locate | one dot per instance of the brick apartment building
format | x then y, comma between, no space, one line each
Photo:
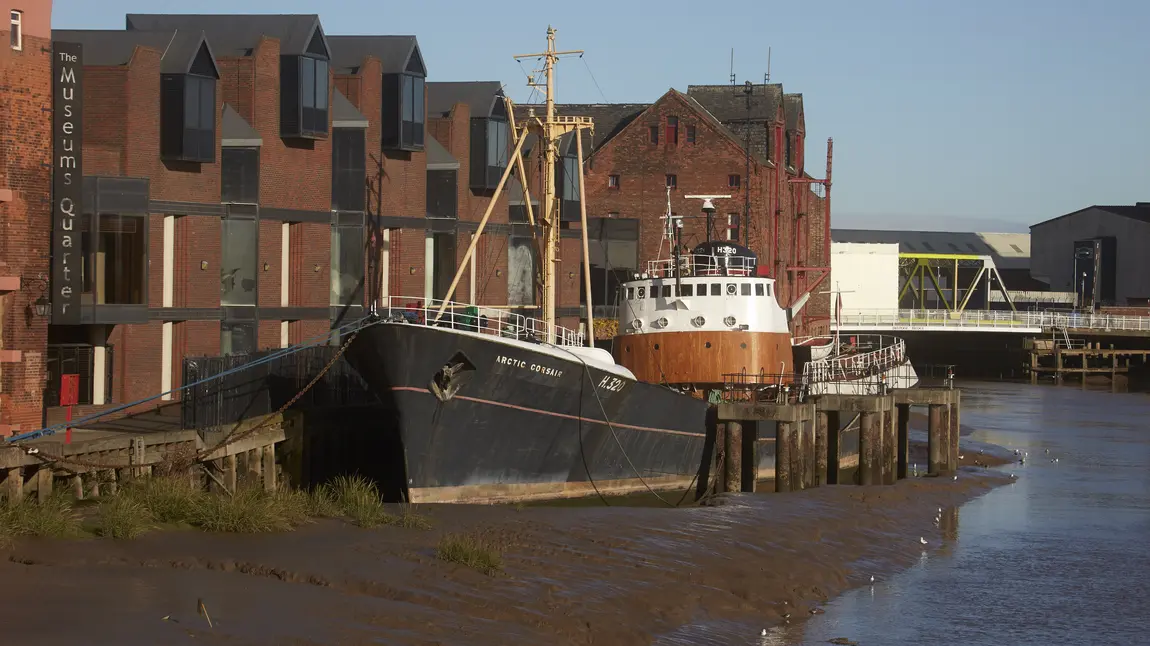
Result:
25,194
696,143
226,184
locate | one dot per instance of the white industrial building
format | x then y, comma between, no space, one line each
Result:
865,276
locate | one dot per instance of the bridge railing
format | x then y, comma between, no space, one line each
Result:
1047,320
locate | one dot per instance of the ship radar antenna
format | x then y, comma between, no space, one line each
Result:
708,208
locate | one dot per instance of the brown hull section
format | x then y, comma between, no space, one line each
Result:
703,357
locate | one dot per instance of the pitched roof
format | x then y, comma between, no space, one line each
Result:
109,47
238,34
438,158
236,131
480,96
1008,250
397,53
1138,211
793,106
344,114
729,102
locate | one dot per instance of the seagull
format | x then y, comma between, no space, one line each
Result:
922,540
1047,451
764,633
872,578
956,478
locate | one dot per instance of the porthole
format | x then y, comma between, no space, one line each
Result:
637,323
729,321
662,322
698,321
731,289
743,346
707,344
656,346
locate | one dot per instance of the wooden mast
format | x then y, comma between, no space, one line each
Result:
550,129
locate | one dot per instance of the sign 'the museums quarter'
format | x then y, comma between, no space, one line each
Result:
67,180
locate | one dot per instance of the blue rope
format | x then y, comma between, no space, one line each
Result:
312,342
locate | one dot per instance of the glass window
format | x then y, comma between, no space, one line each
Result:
405,100
192,103
686,289
417,100
240,175
121,259
571,179
321,81
347,256
666,291
642,292
673,130
497,142
768,290
758,289
238,337
745,289
653,133
307,81
690,134
716,289
630,293
238,261
348,170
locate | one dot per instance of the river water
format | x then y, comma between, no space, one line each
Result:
1062,556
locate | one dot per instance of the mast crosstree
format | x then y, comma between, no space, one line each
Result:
549,128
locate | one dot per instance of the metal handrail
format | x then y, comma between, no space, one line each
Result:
1047,320
891,352
699,264
476,318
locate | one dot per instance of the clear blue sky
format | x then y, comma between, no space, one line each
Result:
959,115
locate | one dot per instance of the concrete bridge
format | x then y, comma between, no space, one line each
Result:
994,321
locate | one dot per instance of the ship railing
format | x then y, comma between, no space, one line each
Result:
697,264
859,357
763,388
476,318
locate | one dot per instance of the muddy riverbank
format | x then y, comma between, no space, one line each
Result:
601,575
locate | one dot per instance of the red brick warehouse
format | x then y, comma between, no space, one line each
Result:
240,175
25,210
696,143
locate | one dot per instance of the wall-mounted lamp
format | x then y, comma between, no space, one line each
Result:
411,270
315,268
266,265
570,274
498,272
203,265
40,306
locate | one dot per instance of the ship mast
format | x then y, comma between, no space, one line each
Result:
549,130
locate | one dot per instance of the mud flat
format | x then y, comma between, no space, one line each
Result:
602,575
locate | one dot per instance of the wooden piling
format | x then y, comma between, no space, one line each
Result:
733,469
14,485
784,434
834,435
946,458
902,440
78,487
798,442
822,422
750,470
269,467
44,478
934,440
889,447
869,447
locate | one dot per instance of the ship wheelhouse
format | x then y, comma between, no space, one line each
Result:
697,319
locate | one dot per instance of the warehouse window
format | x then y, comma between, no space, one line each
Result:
347,261
240,242
673,131
653,132
16,38
691,134
672,181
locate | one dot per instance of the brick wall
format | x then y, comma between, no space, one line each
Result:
25,224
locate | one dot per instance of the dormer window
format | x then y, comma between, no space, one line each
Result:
490,151
304,98
569,209
403,111
188,112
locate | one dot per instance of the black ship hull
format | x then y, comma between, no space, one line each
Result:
483,418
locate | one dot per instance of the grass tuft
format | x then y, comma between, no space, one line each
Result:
168,499
410,518
123,516
53,518
470,550
358,498
251,510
